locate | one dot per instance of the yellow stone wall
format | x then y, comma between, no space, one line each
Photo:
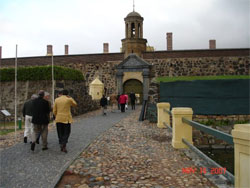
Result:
180,129
132,75
163,116
96,92
241,136
96,89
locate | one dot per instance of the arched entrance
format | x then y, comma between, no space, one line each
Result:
134,86
133,68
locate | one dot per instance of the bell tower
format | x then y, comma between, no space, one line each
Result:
133,43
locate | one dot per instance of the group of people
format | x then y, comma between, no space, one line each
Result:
37,114
120,100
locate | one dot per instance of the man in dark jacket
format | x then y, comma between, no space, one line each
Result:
40,119
27,114
132,100
104,103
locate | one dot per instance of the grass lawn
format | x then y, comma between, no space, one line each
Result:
6,131
9,127
191,78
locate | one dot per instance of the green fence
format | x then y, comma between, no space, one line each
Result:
208,97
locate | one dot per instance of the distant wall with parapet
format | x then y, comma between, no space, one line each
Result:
164,63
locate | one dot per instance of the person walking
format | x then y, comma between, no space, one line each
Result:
40,119
63,118
104,103
132,100
126,105
118,101
113,102
27,114
122,101
46,97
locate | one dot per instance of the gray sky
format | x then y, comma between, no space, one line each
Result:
86,24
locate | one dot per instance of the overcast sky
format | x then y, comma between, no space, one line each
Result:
86,24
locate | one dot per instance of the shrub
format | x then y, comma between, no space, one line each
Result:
40,73
191,78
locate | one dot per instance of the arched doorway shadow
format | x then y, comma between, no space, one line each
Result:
135,86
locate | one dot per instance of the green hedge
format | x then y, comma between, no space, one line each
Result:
40,73
192,78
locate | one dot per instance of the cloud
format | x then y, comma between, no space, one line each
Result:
86,25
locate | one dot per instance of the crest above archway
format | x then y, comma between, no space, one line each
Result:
133,67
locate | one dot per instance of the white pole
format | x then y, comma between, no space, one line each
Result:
15,92
53,82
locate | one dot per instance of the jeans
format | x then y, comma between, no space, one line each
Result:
29,127
43,130
63,132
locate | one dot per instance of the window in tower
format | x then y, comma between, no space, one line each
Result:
132,30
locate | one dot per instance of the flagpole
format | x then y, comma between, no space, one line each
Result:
53,81
15,92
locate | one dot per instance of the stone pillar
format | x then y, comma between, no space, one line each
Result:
126,30
161,115
136,30
66,49
212,44
241,137
129,29
141,35
180,129
105,47
49,50
145,75
119,77
169,41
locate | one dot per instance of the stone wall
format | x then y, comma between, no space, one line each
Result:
198,66
77,90
165,63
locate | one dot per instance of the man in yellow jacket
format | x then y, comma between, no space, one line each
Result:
63,118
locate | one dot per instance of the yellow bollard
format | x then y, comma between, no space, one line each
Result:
180,129
241,137
161,115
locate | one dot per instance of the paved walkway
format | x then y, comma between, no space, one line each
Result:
135,154
20,167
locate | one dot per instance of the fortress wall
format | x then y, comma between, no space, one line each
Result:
77,90
165,63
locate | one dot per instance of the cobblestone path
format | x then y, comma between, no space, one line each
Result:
132,154
19,167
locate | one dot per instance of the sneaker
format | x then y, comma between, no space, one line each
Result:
45,148
25,139
33,146
63,149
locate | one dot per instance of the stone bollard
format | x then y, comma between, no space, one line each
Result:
241,137
161,115
180,129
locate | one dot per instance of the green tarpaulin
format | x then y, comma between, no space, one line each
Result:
208,97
